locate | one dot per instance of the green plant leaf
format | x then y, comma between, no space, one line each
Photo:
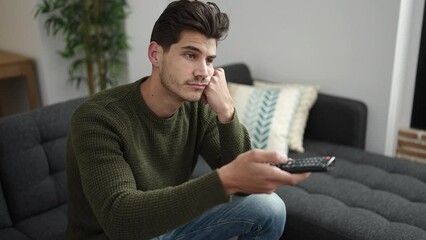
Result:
97,39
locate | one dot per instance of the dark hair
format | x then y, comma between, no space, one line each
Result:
204,18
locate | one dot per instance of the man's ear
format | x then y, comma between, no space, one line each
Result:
155,52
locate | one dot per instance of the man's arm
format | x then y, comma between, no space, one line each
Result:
110,186
250,171
225,137
218,97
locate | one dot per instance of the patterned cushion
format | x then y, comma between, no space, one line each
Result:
300,118
266,113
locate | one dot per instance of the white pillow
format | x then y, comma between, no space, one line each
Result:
267,114
308,98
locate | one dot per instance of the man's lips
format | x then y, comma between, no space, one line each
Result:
200,86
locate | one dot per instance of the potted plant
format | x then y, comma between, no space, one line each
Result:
94,35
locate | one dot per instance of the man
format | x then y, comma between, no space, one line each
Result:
132,149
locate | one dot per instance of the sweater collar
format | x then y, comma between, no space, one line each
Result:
146,111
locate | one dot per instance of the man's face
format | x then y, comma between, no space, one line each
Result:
187,67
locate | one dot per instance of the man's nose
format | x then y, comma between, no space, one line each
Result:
202,70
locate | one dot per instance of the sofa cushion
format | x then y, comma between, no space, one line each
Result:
12,234
267,114
32,169
309,93
34,181
365,196
48,225
5,220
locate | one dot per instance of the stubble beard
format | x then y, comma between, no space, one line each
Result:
177,89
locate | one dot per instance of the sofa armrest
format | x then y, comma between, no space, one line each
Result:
337,120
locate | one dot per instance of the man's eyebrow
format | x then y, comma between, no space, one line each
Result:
196,50
192,48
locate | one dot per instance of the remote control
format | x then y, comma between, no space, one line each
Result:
311,164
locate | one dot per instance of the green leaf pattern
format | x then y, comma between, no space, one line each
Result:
259,114
267,113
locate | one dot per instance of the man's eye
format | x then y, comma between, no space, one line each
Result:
190,56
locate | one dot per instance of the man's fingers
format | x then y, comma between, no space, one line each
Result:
266,156
220,70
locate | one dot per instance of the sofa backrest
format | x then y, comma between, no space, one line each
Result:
238,73
332,119
5,220
32,160
338,120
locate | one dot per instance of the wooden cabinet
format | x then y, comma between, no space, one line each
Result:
13,67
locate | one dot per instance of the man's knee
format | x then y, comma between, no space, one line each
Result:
269,207
273,207
269,213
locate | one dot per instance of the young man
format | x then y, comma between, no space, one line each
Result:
132,149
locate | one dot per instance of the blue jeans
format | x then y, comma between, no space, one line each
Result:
257,216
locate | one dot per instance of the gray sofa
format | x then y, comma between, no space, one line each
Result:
366,196
33,198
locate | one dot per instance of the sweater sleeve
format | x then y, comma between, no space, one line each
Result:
109,185
224,142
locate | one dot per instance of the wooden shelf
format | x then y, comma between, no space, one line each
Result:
13,66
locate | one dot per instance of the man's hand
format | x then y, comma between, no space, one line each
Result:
251,172
218,97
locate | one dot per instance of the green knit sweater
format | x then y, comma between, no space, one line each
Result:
129,171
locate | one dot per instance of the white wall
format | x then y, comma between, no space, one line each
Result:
139,26
346,46
17,27
22,34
